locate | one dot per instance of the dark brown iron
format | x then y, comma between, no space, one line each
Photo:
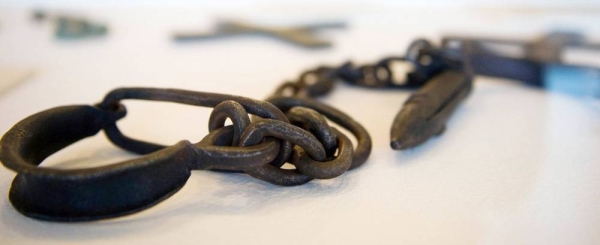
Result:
444,81
291,126
258,148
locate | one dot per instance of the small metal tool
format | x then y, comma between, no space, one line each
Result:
426,112
69,27
304,36
522,60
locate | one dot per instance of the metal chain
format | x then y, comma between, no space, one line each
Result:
425,61
292,130
290,127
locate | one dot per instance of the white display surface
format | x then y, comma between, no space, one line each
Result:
516,165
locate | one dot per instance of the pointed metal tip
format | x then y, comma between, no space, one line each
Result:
397,145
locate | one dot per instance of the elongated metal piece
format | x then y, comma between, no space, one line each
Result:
523,60
73,27
426,112
300,35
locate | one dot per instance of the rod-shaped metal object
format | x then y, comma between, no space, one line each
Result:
523,60
426,112
304,36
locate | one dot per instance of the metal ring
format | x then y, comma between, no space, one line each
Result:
315,123
281,90
278,176
121,188
363,148
257,131
217,154
327,169
234,111
413,52
85,194
256,107
275,175
324,81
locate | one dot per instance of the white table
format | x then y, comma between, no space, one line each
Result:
516,165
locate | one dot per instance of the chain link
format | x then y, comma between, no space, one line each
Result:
291,127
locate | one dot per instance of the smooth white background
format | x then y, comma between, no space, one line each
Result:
516,165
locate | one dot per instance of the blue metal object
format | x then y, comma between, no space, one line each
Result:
537,63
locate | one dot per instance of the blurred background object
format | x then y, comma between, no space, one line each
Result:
539,62
304,35
70,27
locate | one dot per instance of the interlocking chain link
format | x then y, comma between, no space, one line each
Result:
287,129
290,127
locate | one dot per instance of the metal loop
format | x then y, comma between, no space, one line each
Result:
118,111
260,108
348,73
278,176
414,50
222,136
287,89
371,76
91,193
362,150
234,111
104,192
218,154
257,131
317,82
257,148
275,175
329,169
315,123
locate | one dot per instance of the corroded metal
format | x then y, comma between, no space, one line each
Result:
364,145
258,148
443,79
325,169
425,113
291,126
315,123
